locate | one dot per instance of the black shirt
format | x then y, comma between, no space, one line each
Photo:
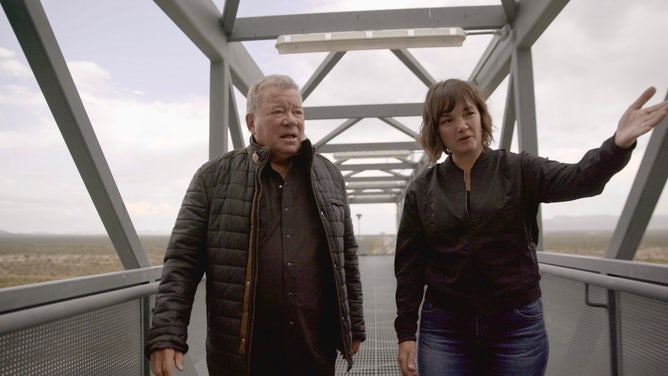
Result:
295,301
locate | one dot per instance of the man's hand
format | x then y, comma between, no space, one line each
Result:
356,346
406,358
164,360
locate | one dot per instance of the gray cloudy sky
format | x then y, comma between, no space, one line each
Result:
145,88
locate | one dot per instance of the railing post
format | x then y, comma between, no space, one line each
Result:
146,306
614,332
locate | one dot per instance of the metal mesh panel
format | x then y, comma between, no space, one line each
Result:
378,353
102,342
643,333
578,334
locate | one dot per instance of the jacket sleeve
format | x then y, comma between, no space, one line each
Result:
409,268
563,181
182,270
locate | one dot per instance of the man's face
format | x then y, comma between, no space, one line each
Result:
278,123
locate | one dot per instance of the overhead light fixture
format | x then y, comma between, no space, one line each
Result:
369,40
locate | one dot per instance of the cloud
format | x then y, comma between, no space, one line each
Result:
151,146
143,124
149,108
33,139
89,76
11,66
148,209
6,54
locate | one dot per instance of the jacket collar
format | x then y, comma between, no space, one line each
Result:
483,158
260,154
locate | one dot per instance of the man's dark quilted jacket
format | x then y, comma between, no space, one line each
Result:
216,233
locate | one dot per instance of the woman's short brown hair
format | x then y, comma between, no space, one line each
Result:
441,98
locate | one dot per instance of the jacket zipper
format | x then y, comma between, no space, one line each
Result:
246,320
467,204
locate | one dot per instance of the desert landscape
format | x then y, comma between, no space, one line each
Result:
26,259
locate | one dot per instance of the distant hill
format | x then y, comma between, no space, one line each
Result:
596,223
558,223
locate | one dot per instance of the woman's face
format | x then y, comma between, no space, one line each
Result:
461,129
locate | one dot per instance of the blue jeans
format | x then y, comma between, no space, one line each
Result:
506,343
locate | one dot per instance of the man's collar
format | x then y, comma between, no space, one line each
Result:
258,152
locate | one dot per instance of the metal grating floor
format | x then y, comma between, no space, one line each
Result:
378,353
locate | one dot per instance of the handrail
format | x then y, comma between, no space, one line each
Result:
632,269
645,289
27,296
26,318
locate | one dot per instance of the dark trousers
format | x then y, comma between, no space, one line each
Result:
275,352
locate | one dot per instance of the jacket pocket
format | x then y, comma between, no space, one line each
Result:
338,208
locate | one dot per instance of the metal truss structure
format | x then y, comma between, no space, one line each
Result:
219,35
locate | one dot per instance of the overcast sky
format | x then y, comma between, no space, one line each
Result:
145,89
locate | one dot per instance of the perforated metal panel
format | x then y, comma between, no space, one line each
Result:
103,342
578,334
644,333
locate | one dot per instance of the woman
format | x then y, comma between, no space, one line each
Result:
469,232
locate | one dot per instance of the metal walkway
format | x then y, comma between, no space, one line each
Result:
603,317
580,341
378,353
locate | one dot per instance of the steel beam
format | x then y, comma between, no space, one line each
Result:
374,146
375,199
325,67
229,16
200,21
524,99
219,110
363,111
47,62
508,127
645,192
271,27
533,18
400,127
340,129
375,166
411,62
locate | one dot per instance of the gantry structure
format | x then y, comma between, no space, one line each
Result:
387,167
515,25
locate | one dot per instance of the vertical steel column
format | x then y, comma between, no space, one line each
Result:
508,127
525,109
146,308
525,103
613,327
219,107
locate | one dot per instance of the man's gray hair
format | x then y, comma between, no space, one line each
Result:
257,89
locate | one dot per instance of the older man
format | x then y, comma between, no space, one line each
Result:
270,226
